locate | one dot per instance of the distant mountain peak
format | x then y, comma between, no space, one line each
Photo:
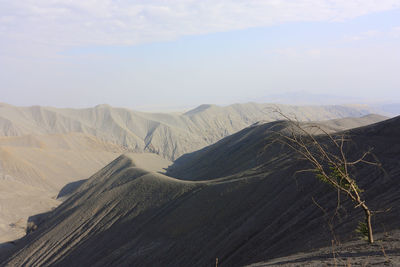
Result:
200,108
103,106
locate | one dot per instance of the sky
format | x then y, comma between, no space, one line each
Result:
159,54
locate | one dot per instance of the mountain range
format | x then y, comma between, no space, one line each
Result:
236,200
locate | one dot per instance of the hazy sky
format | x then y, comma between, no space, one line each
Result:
144,54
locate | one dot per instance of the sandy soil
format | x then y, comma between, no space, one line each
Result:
384,252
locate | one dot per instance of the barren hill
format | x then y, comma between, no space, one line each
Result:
125,215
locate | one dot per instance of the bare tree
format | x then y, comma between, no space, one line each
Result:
330,164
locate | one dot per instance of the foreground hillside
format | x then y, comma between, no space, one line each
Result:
125,215
384,252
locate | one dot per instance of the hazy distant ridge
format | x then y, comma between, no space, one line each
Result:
169,135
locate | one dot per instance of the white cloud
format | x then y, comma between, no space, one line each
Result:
395,32
295,52
316,53
288,52
64,23
365,35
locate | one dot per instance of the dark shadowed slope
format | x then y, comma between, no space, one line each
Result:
243,150
125,215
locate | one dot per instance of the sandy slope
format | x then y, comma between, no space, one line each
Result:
51,161
125,215
18,201
33,169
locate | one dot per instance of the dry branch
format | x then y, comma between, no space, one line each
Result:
326,153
